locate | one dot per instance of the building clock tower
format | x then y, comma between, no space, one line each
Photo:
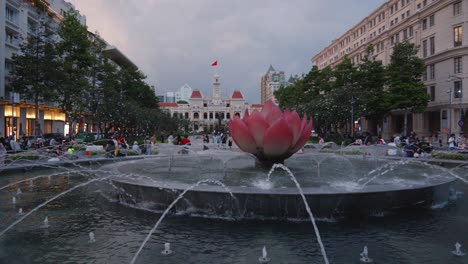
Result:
216,100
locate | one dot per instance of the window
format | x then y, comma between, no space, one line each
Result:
8,65
405,34
457,89
424,24
431,21
392,40
410,31
396,20
431,72
391,10
424,48
9,37
424,2
10,14
402,16
457,36
419,6
424,77
408,13
432,45
457,8
432,93
397,38
458,65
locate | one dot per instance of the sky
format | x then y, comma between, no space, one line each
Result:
174,42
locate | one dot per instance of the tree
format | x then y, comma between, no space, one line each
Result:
370,85
35,69
76,60
405,89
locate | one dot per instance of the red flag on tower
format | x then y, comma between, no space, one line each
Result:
215,63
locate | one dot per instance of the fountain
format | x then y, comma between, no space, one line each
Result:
91,237
223,205
264,258
365,256
457,251
167,249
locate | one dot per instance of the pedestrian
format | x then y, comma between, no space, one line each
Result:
147,145
170,138
136,147
451,142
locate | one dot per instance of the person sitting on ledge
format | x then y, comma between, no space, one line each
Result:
410,149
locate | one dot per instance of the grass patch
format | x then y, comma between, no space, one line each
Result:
342,152
24,157
449,156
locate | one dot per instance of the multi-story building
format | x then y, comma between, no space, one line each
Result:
271,81
183,94
20,19
439,29
208,113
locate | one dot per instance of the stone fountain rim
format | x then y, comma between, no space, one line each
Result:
370,189
324,190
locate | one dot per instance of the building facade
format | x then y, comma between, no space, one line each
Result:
271,81
206,113
439,30
20,19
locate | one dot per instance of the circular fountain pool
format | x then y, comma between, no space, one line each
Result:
334,185
409,236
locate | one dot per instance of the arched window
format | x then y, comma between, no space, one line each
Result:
228,115
186,115
205,116
211,115
196,116
237,114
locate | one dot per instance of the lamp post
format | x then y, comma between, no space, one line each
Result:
449,91
460,94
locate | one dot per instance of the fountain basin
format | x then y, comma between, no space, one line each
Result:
154,189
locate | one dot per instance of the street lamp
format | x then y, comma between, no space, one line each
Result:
460,94
449,91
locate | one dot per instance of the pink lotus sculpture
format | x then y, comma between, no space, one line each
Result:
271,135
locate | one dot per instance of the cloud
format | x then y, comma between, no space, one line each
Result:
175,41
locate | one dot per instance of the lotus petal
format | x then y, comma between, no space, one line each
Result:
257,127
305,134
278,139
271,112
241,135
246,115
294,122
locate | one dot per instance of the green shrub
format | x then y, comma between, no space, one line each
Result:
24,157
346,152
449,156
132,153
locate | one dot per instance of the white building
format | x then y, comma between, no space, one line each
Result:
207,113
439,29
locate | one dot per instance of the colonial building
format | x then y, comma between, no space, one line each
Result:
438,28
20,19
210,112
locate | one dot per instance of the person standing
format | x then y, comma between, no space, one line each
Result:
170,139
451,142
147,144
